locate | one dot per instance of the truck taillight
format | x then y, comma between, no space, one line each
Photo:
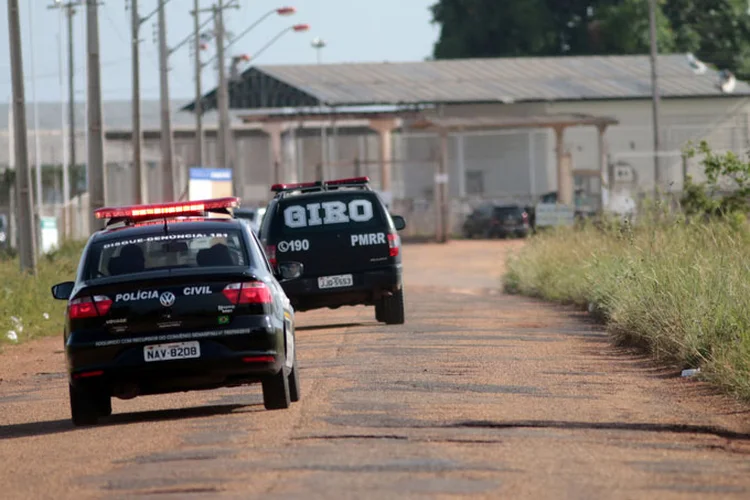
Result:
88,307
252,292
394,244
271,254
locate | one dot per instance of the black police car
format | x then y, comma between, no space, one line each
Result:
347,241
167,299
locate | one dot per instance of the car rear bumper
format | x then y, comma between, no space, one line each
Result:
233,357
368,287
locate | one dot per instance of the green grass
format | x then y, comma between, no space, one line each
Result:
28,298
680,290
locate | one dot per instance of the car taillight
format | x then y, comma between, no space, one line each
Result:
271,254
394,244
88,307
252,292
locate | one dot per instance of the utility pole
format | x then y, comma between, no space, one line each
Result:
655,95
198,85
68,9
222,91
95,164
167,146
23,174
135,24
71,90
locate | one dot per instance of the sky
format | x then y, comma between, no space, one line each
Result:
354,31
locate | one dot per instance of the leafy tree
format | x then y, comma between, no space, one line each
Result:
488,28
727,187
717,31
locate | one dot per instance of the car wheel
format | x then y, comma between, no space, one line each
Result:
379,313
276,392
105,406
294,392
86,407
393,308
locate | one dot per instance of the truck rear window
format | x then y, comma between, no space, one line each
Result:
175,250
342,212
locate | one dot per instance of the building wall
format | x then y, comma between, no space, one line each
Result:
512,165
723,122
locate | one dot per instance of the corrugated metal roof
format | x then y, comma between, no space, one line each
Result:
515,122
500,80
117,115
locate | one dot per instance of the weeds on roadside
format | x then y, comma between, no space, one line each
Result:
675,284
681,291
27,309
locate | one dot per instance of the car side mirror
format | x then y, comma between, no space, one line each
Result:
62,291
291,270
399,222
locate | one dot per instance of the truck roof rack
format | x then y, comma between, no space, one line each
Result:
307,187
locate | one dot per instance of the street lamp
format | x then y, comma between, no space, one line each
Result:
298,28
236,60
655,95
281,11
318,44
223,91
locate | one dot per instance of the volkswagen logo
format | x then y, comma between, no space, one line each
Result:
166,299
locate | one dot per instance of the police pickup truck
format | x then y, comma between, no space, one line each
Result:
343,235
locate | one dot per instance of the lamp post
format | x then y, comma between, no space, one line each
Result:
222,92
318,44
655,94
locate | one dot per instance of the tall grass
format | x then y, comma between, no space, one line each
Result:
26,304
679,290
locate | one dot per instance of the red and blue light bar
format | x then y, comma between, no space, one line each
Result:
174,209
352,181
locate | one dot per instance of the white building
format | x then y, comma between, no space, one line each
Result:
281,113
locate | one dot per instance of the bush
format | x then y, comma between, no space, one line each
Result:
26,304
679,290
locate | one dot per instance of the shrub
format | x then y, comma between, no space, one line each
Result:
680,290
26,304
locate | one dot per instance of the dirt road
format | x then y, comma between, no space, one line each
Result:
479,395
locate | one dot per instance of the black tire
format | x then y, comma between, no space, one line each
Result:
105,406
379,311
276,392
294,388
86,407
393,308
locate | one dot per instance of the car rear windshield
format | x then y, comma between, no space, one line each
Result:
502,211
320,214
175,250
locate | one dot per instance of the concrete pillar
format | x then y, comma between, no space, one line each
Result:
461,164
274,131
605,188
532,166
442,232
384,128
564,174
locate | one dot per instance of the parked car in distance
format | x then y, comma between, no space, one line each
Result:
493,220
251,216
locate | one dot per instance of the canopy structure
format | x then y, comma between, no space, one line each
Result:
558,122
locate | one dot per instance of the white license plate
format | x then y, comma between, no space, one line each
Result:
177,350
339,281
